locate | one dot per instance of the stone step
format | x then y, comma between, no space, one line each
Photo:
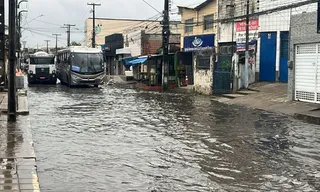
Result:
232,96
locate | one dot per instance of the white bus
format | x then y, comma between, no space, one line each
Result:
80,66
42,68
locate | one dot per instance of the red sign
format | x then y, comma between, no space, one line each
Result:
253,25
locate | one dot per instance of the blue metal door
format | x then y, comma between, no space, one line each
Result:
268,51
284,56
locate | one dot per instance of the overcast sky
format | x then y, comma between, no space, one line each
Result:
37,28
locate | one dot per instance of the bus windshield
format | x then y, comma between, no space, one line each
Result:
87,62
41,60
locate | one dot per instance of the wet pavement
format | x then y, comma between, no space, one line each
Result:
18,169
120,139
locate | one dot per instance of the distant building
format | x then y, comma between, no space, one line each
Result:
134,44
109,26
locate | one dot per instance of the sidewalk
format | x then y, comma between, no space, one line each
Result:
23,106
18,170
273,97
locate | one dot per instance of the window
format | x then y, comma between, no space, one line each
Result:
204,62
188,26
41,60
87,63
208,22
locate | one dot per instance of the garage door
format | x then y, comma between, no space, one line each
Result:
307,71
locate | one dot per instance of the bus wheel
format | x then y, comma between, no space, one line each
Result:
96,86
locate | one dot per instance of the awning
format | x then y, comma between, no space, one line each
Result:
126,60
137,61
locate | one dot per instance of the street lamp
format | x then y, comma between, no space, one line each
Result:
19,21
42,15
18,3
19,30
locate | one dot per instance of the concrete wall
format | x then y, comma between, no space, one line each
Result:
303,30
203,79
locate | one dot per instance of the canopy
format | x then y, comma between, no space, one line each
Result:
126,60
137,61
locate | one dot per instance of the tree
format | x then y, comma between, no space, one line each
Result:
74,43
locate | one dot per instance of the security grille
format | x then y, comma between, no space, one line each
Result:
306,73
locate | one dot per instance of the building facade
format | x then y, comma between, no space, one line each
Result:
198,38
109,26
304,68
268,35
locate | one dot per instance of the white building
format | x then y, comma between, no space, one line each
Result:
270,59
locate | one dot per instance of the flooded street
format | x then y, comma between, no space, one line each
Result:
118,139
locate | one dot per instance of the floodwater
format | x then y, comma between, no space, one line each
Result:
121,139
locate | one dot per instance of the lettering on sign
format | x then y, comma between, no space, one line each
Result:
241,33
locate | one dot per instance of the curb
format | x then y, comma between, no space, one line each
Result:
307,118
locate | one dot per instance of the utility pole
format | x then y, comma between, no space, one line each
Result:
318,17
12,110
165,45
246,70
94,23
47,45
56,41
24,49
2,45
68,27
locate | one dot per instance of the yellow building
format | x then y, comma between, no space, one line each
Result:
199,39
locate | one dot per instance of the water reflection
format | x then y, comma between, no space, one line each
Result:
118,139
7,162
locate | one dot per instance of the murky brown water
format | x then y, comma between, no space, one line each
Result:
118,139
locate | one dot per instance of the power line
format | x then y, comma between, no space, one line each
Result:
152,6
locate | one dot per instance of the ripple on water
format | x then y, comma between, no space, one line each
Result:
118,139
